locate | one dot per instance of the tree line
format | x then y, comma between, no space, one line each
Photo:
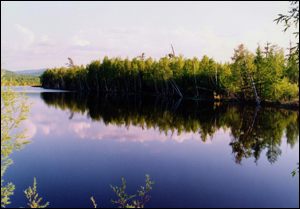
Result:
266,75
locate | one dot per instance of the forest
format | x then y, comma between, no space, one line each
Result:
266,75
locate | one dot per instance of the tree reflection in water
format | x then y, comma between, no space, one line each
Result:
252,129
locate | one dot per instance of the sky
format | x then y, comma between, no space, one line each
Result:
37,35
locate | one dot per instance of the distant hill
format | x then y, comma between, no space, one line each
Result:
8,73
36,72
21,78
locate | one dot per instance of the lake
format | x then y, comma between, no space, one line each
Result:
199,154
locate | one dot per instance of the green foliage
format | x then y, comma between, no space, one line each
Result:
14,111
7,190
285,91
125,200
138,200
292,69
34,201
123,197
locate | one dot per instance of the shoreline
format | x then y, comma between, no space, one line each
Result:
293,105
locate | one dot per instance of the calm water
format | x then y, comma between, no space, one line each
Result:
198,154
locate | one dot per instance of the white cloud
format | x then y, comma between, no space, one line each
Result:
45,129
77,41
27,36
91,130
27,43
80,128
44,40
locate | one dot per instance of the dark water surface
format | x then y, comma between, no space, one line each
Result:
198,154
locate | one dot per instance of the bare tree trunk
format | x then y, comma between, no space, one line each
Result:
257,99
173,50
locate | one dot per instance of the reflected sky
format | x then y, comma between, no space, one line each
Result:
81,127
75,156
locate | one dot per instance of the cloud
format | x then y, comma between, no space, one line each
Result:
45,129
94,43
77,41
27,44
155,42
27,36
80,128
44,40
85,130
46,124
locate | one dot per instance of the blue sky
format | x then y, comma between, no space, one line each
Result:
43,34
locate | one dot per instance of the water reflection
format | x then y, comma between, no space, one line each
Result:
252,130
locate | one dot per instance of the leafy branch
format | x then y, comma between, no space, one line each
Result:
34,201
138,200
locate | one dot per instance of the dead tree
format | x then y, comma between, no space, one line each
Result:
142,56
171,55
70,64
173,50
267,49
172,82
257,99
